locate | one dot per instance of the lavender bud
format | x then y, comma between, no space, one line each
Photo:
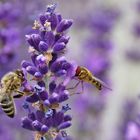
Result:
67,118
36,125
61,73
59,47
59,116
32,116
38,75
33,57
44,129
47,102
41,83
33,40
32,70
64,25
49,38
25,64
52,86
54,98
64,39
53,20
42,19
43,46
43,95
40,115
43,69
64,125
26,123
32,98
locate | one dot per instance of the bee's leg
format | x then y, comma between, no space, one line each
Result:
74,86
19,95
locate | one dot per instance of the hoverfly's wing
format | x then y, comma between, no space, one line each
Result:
102,83
8,105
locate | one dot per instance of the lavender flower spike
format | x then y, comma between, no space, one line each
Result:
48,66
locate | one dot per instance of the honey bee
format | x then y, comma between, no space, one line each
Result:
10,84
84,75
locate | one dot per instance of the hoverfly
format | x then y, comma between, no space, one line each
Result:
10,84
84,75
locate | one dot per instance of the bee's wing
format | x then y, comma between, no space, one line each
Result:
102,83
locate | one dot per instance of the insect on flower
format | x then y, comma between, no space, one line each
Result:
84,75
10,83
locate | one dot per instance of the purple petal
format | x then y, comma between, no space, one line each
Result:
52,86
43,69
38,75
64,125
25,64
42,19
53,19
54,98
44,129
40,115
26,123
32,70
67,118
32,98
43,46
64,39
64,25
59,47
43,95
32,116
58,118
36,125
34,40
49,38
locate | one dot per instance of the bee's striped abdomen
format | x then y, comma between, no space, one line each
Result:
8,107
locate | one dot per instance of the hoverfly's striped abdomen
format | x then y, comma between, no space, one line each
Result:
97,84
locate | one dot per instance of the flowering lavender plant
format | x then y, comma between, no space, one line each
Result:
47,77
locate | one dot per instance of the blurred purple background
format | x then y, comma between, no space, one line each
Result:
105,38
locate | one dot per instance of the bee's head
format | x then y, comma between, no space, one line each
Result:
20,74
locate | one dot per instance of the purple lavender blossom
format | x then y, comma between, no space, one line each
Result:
44,122
50,73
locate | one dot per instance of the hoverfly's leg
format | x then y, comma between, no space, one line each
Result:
19,95
82,84
74,86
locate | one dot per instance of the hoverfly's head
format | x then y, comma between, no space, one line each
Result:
78,70
20,74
